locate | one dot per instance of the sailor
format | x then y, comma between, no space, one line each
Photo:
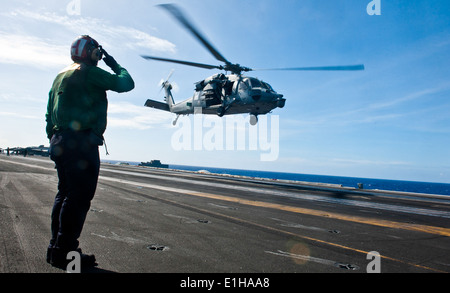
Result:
76,121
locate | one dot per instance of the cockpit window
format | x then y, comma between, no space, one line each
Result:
267,86
244,85
255,82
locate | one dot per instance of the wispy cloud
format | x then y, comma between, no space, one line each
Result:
129,116
33,51
19,115
412,96
382,111
21,47
129,36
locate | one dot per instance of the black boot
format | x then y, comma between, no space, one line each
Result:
49,253
87,260
58,258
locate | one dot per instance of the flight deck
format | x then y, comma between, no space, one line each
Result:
150,220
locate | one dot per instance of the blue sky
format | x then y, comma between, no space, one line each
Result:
391,121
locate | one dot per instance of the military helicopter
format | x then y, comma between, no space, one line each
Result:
224,94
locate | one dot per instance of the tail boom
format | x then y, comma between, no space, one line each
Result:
157,105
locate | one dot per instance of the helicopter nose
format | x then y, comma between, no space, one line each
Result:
281,102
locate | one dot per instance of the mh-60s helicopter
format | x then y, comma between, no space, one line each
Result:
222,94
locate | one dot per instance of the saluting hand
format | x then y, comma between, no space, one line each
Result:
109,60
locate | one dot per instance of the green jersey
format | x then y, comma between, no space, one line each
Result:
78,98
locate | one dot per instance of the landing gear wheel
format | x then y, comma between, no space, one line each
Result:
253,120
176,120
221,111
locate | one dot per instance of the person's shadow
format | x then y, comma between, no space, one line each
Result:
96,270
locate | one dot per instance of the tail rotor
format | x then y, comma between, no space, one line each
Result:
162,83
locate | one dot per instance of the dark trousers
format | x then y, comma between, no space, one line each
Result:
78,163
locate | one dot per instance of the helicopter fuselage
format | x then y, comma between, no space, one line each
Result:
226,94
229,94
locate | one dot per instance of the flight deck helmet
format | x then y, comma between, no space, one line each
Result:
82,48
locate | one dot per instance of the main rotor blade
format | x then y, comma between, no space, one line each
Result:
206,66
322,68
176,12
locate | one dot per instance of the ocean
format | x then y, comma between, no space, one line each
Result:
368,183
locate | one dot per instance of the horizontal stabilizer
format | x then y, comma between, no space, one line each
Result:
157,105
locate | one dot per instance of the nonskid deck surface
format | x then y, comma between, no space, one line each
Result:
147,220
